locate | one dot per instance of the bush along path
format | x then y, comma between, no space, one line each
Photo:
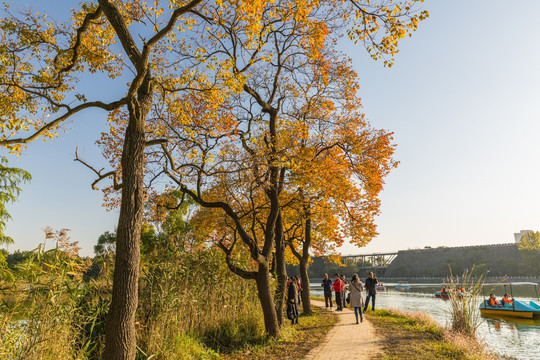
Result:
347,340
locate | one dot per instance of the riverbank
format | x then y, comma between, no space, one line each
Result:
417,336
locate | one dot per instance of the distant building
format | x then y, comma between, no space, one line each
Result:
517,236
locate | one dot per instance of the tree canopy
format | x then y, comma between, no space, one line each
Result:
202,91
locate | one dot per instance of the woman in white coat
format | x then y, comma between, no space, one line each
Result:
356,289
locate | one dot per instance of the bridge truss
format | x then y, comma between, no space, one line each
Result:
370,261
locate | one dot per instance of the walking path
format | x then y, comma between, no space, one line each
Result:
346,339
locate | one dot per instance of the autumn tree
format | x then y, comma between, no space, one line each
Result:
338,165
143,45
43,63
235,153
235,156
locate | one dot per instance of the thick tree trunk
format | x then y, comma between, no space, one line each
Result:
281,270
264,291
304,261
120,335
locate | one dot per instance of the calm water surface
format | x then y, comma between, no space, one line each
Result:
517,338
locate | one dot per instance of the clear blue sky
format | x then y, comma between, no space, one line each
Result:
463,100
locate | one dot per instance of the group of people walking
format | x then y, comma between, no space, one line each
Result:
355,288
345,292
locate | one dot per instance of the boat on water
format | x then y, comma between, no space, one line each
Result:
380,287
445,295
442,295
402,286
518,308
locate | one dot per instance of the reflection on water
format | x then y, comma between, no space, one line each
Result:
519,338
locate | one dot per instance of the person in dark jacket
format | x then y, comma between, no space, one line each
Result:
292,302
327,288
371,289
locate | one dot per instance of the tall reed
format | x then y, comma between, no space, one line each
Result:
193,294
56,315
464,314
190,306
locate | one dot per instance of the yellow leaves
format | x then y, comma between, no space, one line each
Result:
381,25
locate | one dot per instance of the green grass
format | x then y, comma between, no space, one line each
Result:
416,336
296,341
191,347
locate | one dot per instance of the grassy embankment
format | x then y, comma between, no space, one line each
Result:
190,307
417,336
238,338
296,341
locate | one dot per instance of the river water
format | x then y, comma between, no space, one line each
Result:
517,338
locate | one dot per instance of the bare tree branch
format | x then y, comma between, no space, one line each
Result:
112,173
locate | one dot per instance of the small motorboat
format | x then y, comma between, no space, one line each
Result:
402,286
380,287
518,308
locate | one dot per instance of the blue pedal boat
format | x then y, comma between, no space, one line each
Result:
518,308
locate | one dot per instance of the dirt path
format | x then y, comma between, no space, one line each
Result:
346,340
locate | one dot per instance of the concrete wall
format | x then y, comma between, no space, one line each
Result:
500,260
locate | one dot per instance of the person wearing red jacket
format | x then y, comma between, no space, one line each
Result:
338,286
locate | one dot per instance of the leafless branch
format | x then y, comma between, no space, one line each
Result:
99,173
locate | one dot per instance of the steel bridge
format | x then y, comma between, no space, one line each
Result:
376,262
